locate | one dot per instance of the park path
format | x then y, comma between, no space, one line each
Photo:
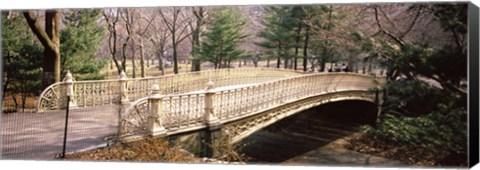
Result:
40,136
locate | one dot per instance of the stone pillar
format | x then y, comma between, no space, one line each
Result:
210,119
211,143
154,121
123,97
123,88
68,80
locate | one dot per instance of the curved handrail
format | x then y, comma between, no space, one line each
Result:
143,102
54,102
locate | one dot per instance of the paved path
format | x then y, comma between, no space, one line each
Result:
332,156
39,136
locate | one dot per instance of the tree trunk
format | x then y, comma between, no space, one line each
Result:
134,66
322,65
268,62
196,63
299,29
175,57
142,59
305,47
160,60
278,62
50,39
52,26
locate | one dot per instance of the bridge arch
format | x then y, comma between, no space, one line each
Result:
242,128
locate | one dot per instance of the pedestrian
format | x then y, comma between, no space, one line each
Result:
344,67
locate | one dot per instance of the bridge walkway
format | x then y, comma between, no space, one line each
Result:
40,135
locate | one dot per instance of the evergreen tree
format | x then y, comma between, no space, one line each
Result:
279,32
79,44
22,59
222,37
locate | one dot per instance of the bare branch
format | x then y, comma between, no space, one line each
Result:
396,39
412,23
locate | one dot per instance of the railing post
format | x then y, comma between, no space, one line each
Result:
123,88
123,103
68,80
213,136
210,119
154,121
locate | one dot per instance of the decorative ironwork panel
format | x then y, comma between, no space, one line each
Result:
134,122
102,92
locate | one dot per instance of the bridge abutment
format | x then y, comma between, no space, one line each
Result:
213,142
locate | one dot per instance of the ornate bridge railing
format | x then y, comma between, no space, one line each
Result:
172,114
124,90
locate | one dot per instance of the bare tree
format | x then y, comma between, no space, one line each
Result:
177,24
200,22
127,16
111,17
144,22
159,35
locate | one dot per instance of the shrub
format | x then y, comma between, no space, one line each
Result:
437,132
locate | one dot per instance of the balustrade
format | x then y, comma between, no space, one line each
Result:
126,90
211,107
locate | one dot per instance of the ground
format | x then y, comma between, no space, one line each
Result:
148,150
159,150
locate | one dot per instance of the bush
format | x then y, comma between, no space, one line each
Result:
437,132
414,98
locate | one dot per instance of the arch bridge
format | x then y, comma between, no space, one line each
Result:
239,111
226,103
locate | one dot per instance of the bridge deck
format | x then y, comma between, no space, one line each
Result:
40,135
